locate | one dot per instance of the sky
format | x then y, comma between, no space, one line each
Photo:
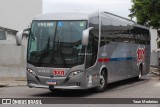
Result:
118,7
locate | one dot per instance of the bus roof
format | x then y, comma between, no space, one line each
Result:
82,16
65,16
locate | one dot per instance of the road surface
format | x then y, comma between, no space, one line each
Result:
147,87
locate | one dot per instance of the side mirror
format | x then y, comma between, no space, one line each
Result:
85,36
19,36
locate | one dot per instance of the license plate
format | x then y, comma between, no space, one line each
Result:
51,82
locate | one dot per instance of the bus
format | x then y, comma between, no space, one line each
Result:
80,50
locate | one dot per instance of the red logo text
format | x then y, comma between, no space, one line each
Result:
58,72
140,54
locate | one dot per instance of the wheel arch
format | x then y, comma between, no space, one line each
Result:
141,68
105,69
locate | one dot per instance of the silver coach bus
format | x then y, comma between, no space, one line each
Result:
75,50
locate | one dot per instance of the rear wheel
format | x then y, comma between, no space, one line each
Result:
103,82
140,73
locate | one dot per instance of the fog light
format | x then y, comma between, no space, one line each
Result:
29,81
78,84
32,72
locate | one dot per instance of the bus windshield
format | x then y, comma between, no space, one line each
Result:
56,43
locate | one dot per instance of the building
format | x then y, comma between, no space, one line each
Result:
15,15
155,47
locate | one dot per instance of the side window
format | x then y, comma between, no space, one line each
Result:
105,31
141,36
147,37
130,34
136,35
2,35
125,37
116,30
92,48
121,32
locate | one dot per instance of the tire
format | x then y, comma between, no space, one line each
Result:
140,73
103,82
55,90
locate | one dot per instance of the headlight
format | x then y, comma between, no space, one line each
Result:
32,72
74,73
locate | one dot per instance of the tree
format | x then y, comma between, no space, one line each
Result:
147,12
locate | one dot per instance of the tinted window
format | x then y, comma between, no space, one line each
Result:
92,49
2,35
141,36
113,30
105,31
56,43
116,30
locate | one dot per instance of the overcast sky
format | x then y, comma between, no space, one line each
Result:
119,7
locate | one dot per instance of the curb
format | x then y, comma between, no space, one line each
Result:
12,83
157,73
13,79
3,85
154,70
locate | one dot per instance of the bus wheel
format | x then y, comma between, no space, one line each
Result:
103,82
140,73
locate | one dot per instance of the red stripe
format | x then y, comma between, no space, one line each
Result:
103,60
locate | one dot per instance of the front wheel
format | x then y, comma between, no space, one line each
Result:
103,82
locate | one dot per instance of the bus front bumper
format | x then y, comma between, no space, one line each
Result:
77,82
55,87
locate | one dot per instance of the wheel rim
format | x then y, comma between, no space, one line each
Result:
102,81
140,75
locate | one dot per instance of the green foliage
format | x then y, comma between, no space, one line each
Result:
158,44
147,12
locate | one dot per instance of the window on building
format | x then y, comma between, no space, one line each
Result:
2,35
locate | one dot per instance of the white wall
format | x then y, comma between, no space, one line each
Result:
17,14
154,49
12,57
153,39
10,36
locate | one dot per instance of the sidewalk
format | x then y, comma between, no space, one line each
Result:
12,82
154,70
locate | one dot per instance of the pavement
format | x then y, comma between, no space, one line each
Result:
22,81
13,82
155,70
